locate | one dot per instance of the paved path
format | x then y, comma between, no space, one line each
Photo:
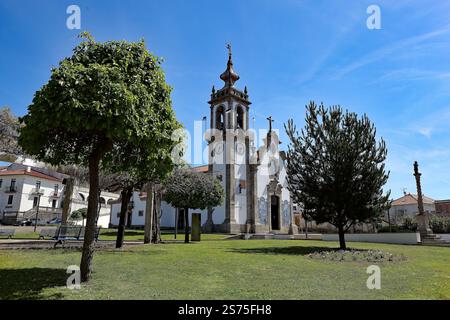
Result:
49,244
444,236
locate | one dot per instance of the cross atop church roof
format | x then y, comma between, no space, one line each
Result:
229,76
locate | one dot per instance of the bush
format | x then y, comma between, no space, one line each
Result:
352,255
410,223
394,228
440,224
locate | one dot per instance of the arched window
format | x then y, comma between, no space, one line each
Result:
81,196
102,201
220,118
240,118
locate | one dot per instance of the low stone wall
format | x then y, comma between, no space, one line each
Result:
396,238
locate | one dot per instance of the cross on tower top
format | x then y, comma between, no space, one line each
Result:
229,49
270,123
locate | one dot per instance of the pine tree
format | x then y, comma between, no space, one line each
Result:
336,168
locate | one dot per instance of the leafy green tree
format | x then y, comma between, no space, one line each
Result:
79,215
336,168
9,127
138,165
189,189
105,95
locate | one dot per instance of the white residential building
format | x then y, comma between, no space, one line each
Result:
25,191
407,206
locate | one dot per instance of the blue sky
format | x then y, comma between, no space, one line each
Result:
286,52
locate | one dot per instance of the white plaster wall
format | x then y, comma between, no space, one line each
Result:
105,210
15,206
167,213
398,238
219,212
410,210
47,187
23,198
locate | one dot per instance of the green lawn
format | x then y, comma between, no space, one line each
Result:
130,235
229,269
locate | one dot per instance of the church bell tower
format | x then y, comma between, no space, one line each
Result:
229,154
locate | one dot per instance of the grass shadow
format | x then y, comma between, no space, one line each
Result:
126,233
28,284
293,250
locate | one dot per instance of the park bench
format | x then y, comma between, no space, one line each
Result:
76,233
7,233
47,233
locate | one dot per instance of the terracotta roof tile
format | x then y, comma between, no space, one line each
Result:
28,173
411,199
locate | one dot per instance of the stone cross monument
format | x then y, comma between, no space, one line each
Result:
422,218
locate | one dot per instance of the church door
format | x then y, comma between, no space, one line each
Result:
274,212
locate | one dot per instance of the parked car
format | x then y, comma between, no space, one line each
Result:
26,222
54,221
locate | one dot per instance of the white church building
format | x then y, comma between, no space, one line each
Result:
257,199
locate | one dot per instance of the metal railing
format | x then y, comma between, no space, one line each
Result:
37,191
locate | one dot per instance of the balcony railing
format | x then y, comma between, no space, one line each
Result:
10,189
54,194
37,191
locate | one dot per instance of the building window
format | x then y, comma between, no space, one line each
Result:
56,189
35,202
220,123
240,118
54,204
38,185
118,214
141,213
10,199
13,185
1,182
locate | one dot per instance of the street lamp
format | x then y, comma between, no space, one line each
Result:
39,194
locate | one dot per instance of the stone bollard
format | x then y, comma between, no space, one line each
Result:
196,226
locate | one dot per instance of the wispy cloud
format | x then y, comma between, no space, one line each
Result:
411,74
389,50
425,132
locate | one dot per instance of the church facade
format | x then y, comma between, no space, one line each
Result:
257,199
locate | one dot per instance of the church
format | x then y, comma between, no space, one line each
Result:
257,199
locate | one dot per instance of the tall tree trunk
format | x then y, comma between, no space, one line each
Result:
129,215
99,206
89,235
306,227
341,237
126,195
157,217
148,229
186,225
68,191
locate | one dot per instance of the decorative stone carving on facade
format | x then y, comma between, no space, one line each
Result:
286,214
274,187
262,210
